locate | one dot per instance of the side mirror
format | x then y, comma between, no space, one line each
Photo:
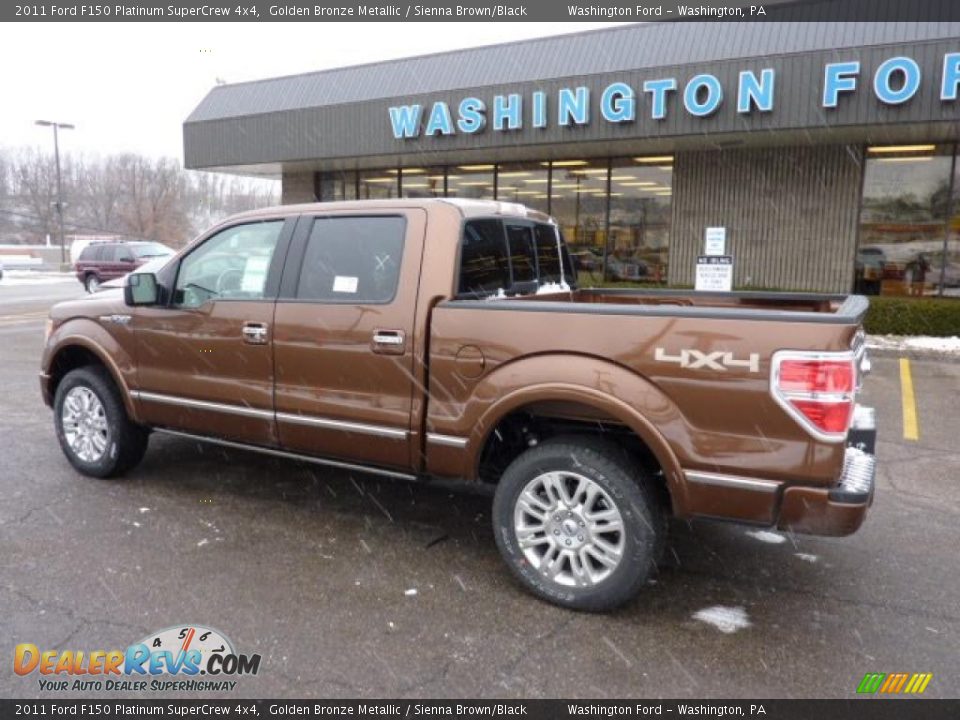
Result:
140,289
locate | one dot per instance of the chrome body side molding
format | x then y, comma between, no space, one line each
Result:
731,481
447,440
363,428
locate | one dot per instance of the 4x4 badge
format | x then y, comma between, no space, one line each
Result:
718,360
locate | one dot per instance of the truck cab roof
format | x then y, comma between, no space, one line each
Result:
468,208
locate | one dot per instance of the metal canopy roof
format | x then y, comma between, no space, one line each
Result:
630,47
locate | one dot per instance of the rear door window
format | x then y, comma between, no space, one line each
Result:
353,260
484,267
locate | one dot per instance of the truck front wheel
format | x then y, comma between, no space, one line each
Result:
578,523
92,425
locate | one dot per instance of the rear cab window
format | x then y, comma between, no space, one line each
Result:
511,257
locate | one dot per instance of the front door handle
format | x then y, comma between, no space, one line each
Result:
255,333
388,342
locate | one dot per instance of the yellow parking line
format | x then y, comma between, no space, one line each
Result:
911,429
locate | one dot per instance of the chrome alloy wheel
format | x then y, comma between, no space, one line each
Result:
84,424
569,529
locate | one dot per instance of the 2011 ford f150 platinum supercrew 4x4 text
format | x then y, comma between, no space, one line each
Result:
441,339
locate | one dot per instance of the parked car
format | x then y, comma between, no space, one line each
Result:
102,261
586,259
626,269
408,338
153,265
1,269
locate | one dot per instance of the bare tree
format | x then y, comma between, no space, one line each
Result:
129,194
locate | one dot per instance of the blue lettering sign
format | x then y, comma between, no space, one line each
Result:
618,103
405,121
951,76
440,120
539,109
756,93
472,118
507,109
691,95
658,90
911,80
573,105
838,78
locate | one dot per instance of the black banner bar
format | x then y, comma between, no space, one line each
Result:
872,708
484,10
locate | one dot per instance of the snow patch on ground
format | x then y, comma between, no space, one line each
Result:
26,277
766,536
725,619
919,342
806,557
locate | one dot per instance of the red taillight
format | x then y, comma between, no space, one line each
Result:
817,389
830,417
816,376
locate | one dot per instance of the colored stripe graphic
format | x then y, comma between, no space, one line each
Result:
871,683
894,683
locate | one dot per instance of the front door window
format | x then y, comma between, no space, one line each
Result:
231,265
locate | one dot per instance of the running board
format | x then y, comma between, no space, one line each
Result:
289,455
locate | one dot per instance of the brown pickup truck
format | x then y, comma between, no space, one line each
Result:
449,340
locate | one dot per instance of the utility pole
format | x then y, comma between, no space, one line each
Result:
56,152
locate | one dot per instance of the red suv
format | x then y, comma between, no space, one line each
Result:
104,261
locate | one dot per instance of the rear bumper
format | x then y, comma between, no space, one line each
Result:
841,509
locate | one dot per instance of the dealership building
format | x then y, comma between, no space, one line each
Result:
827,151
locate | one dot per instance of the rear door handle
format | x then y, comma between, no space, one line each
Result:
255,333
388,342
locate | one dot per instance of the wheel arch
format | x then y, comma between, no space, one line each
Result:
602,405
75,351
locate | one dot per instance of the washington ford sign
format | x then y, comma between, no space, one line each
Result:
897,80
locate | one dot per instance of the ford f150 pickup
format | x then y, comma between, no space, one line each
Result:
442,339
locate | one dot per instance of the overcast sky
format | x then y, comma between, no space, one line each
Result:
130,86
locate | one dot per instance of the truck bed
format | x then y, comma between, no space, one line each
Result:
789,307
630,344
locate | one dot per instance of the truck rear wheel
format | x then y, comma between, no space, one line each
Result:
92,424
578,524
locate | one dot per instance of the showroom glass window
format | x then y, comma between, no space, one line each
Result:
471,181
337,185
641,190
379,184
526,183
422,182
579,205
903,248
951,254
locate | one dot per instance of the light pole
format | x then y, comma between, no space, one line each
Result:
56,153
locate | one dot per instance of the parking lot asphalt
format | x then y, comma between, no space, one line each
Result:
316,570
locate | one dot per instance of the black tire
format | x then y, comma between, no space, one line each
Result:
91,283
621,477
126,442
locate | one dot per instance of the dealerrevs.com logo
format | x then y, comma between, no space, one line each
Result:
183,657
